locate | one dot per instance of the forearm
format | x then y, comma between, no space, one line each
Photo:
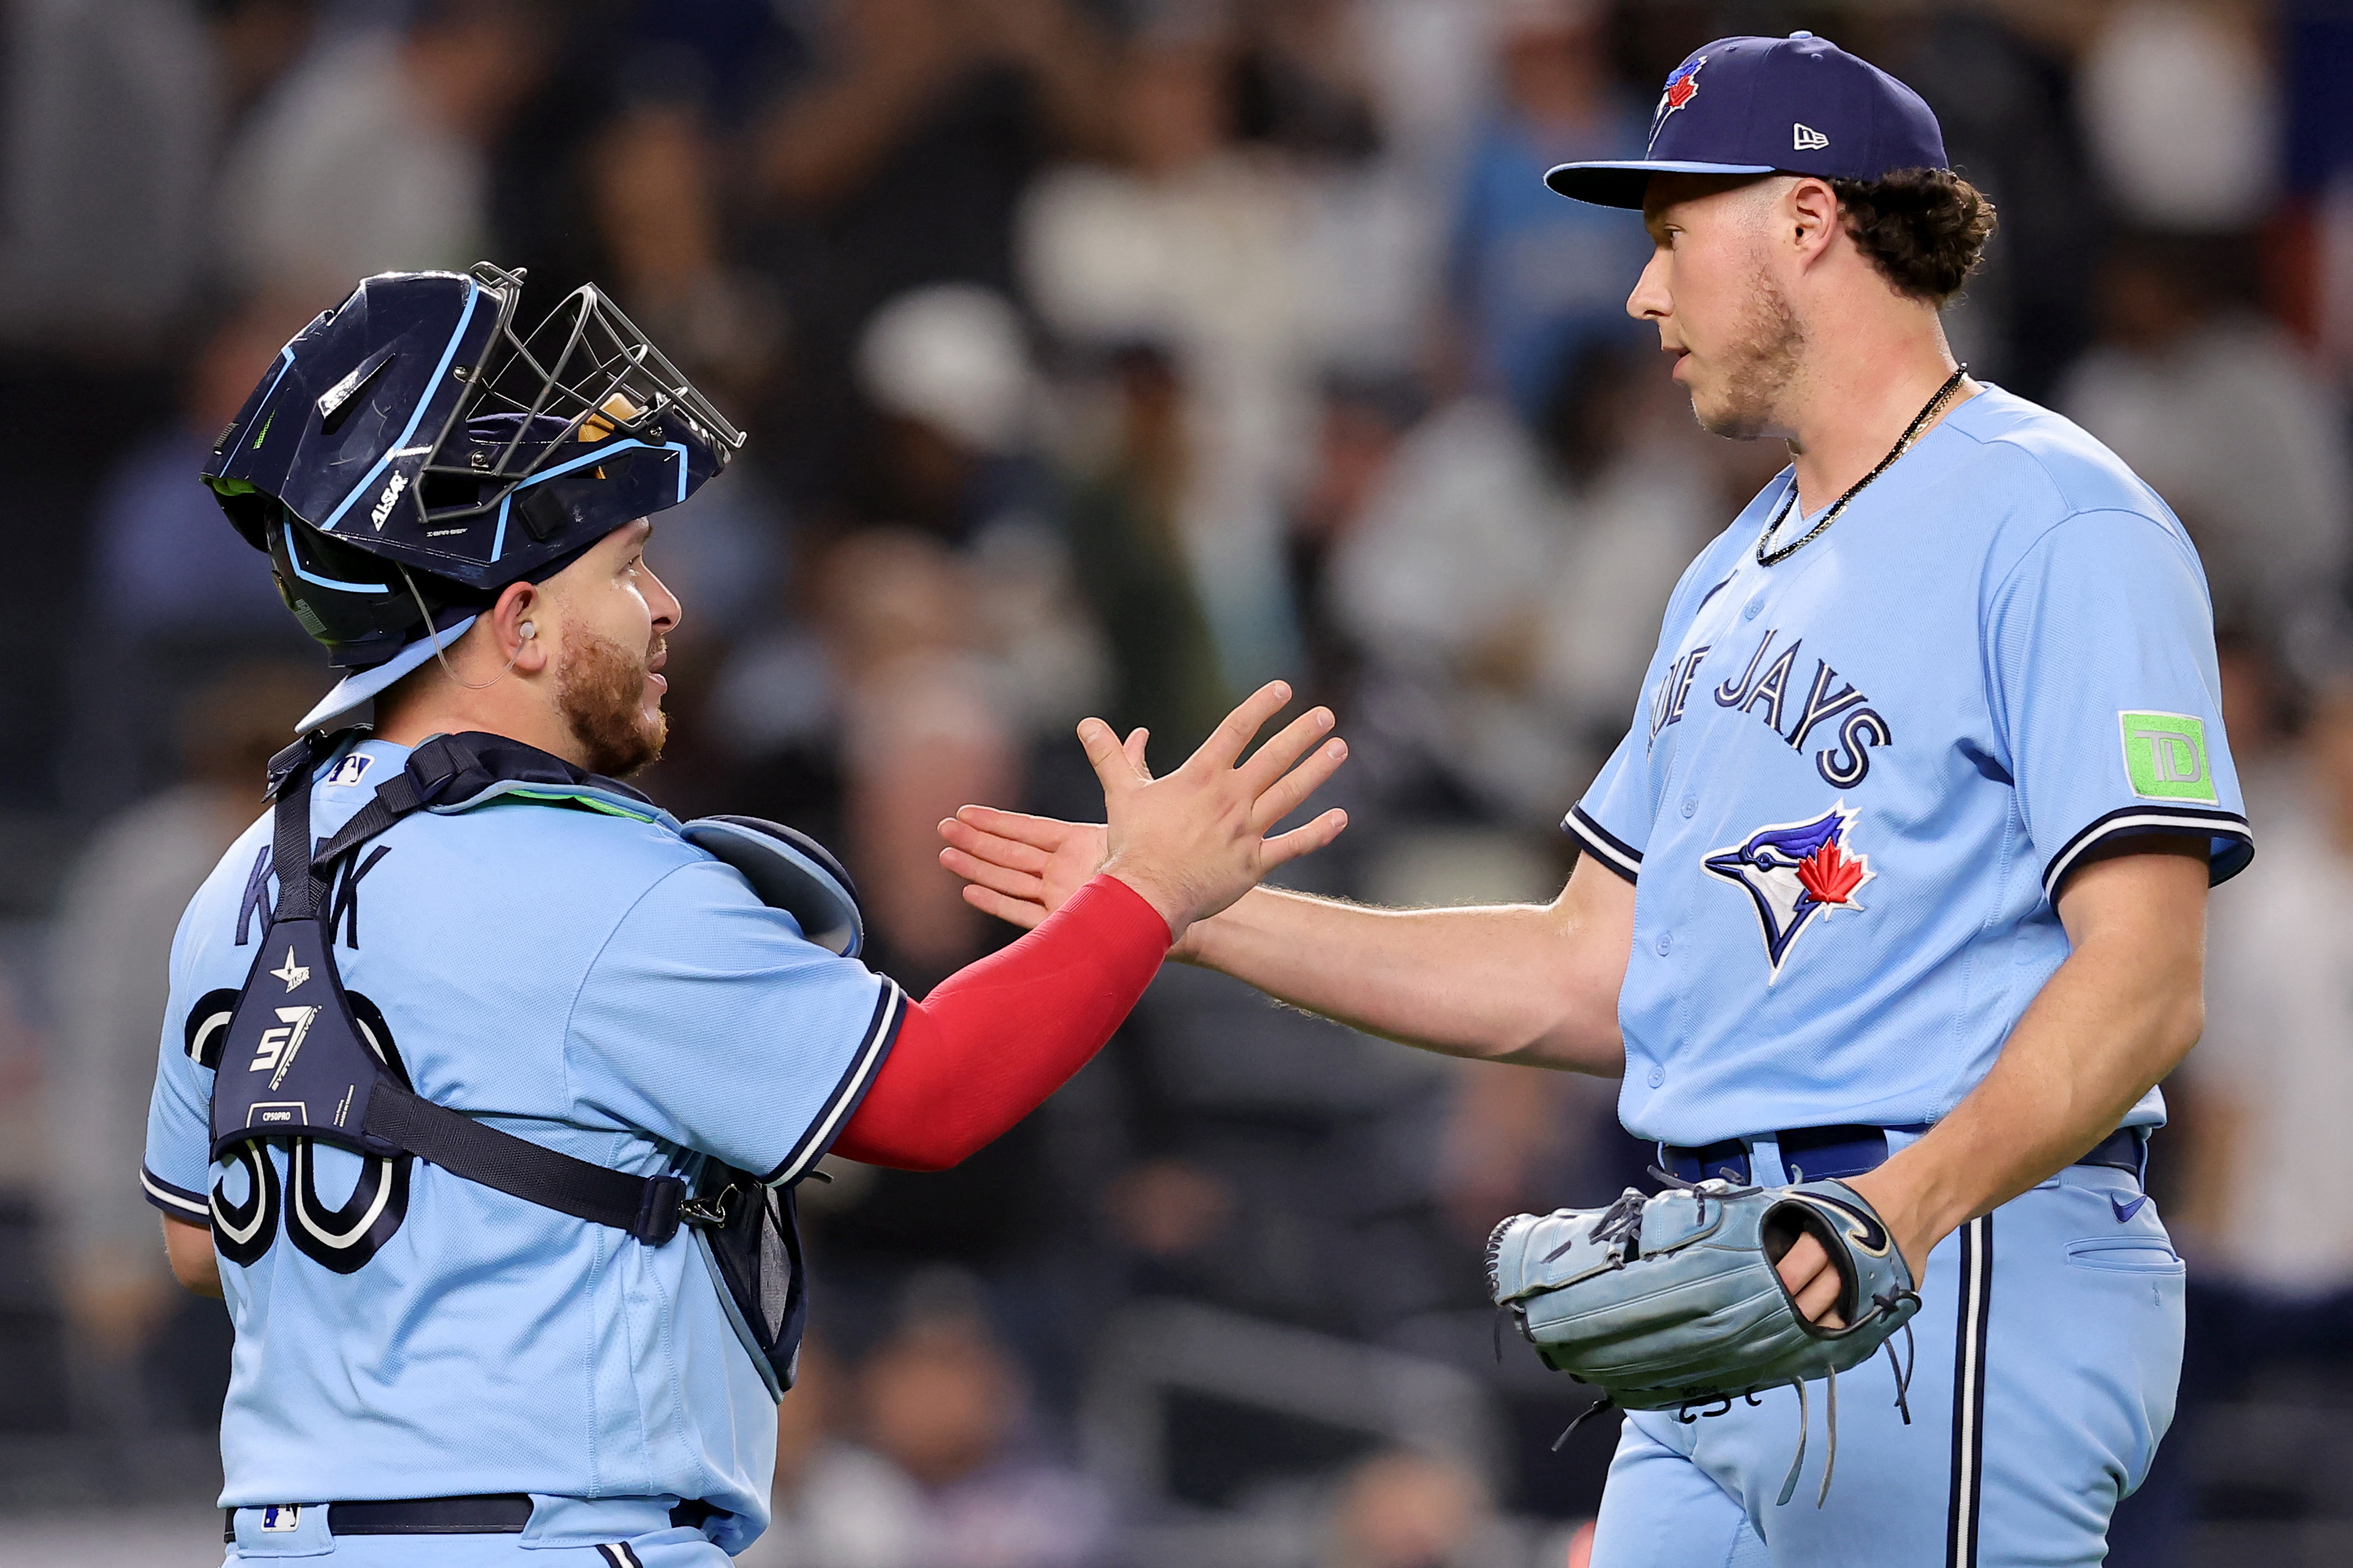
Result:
2115,1017
995,1038
189,1250
1521,983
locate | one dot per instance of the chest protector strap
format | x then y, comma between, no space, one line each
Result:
296,1064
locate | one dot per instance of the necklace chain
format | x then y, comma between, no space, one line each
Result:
1902,445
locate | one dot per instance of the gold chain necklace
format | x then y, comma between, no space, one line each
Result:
1902,445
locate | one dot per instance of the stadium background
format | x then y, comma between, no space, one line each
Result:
1110,355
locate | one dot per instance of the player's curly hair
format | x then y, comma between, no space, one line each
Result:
1925,229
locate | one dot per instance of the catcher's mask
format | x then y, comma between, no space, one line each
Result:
409,454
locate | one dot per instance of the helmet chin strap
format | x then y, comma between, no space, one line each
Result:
529,631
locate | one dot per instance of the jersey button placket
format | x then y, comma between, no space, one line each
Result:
1658,1075
1664,944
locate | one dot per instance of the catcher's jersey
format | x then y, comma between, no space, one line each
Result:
1861,775
597,984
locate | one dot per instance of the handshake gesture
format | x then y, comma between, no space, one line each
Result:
1191,843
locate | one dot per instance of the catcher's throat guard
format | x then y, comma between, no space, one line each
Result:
1673,1300
299,1060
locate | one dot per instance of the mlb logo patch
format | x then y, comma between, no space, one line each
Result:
351,769
282,1519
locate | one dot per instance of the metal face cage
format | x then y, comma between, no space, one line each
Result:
584,374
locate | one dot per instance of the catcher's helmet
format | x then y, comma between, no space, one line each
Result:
408,455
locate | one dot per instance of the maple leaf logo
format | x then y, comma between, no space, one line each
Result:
1830,876
1681,93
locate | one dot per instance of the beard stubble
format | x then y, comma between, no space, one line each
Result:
1758,365
600,692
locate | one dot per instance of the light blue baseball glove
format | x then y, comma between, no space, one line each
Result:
1672,1300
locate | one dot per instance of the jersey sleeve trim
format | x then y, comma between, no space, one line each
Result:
177,1202
2231,842
1601,844
881,1033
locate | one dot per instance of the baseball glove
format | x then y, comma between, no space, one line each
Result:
1672,1300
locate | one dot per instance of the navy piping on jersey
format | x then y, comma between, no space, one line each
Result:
889,1012
620,1555
2132,819
1712,593
1605,846
175,1201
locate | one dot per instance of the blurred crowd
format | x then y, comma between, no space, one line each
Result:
1113,356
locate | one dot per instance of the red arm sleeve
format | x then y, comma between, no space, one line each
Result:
995,1039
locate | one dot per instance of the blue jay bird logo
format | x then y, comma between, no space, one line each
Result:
1683,86
1794,871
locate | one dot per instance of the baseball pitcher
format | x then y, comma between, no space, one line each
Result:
1891,906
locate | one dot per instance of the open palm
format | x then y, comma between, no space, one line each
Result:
1017,868
1021,868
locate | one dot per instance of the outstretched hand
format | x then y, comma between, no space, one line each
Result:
1191,843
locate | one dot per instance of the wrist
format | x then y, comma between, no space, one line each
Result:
1166,902
1903,1203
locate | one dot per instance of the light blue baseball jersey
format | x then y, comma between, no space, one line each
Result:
1861,775
590,982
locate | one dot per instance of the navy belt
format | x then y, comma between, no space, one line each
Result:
496,1513
1833,1153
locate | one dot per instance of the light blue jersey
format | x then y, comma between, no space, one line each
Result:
581,978
1860,776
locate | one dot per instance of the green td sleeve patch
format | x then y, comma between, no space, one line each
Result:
2165,756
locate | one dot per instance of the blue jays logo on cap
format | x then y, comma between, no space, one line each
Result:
1794,871
1681,87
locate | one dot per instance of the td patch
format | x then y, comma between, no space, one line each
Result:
2165,756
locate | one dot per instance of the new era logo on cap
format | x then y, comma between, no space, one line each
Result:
1798,105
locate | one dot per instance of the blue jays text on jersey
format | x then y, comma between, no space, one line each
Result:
1863,774
1763,690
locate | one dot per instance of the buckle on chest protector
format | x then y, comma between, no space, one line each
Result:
709,1211
659,1214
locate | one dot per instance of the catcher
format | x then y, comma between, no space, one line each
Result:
486,1082
1891,906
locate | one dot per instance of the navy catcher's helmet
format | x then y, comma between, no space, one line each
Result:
409,455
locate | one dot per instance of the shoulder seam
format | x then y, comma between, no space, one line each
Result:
1987,654
2061,522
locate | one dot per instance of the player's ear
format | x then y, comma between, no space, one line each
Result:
519,632
1808,218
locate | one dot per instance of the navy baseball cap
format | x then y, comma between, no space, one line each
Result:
1798,105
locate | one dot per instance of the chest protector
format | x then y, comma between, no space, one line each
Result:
300,1061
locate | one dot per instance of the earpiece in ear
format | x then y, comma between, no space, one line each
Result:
526,631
